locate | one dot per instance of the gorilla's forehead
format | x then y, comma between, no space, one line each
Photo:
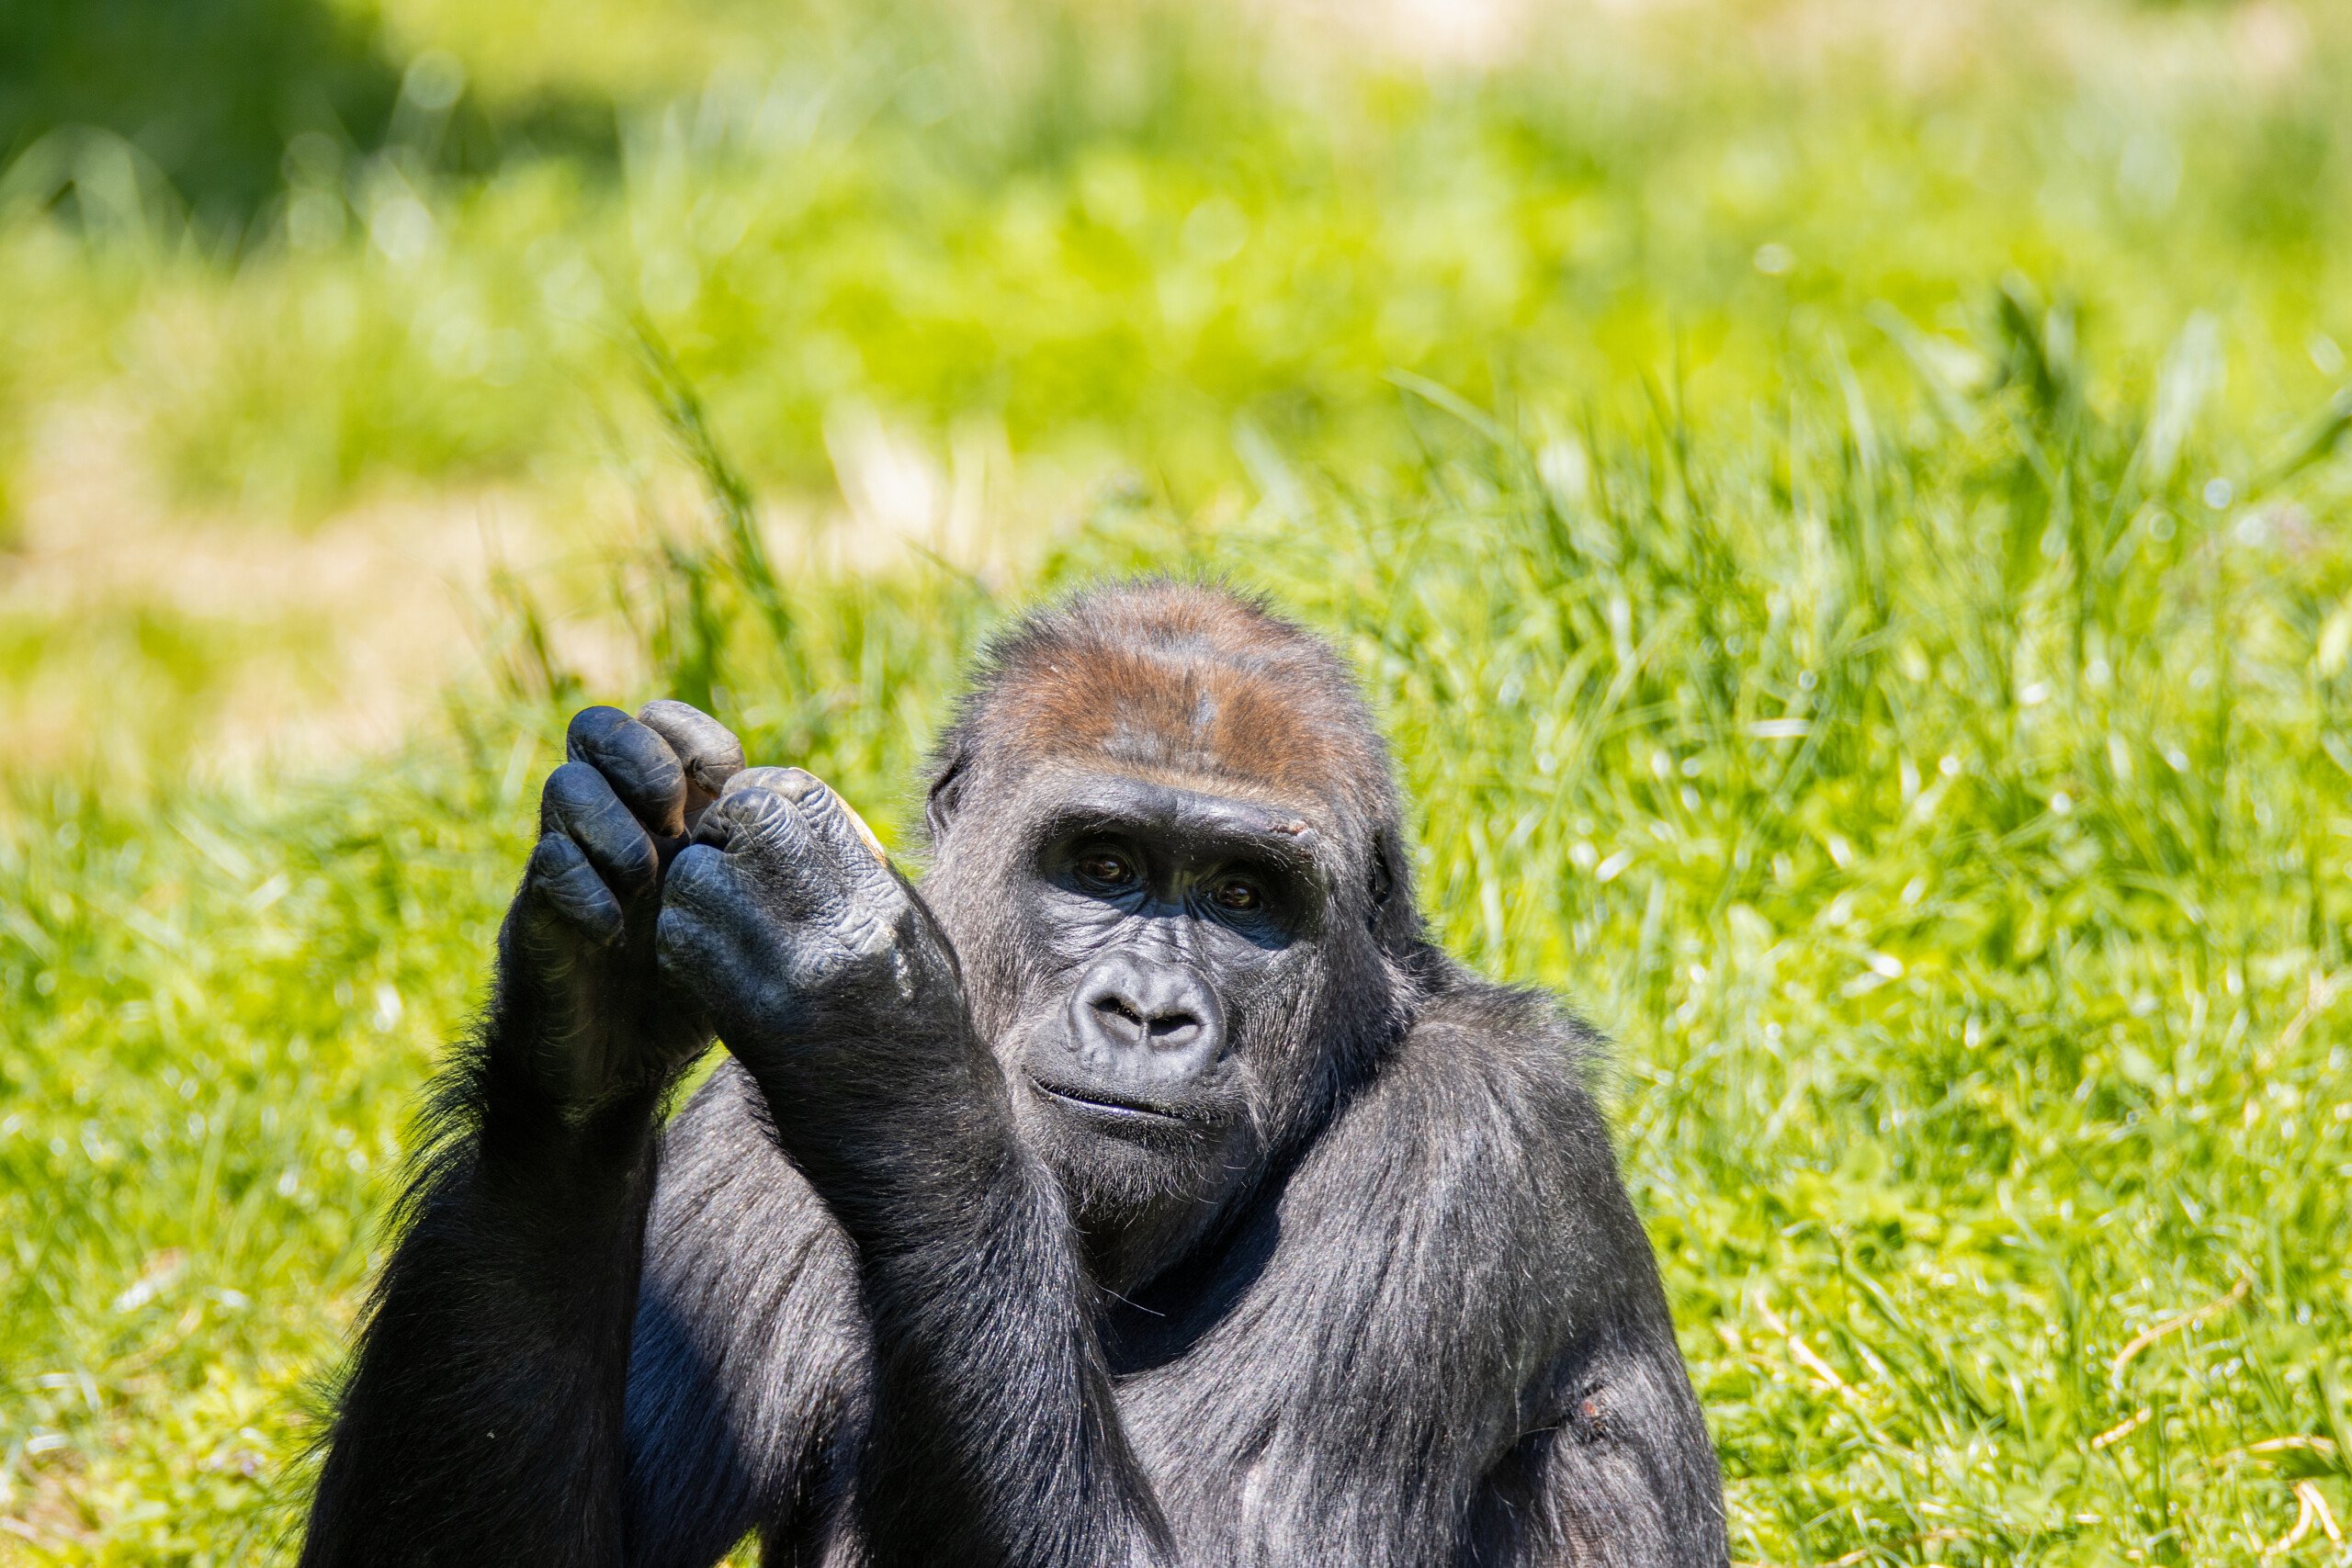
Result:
1263,721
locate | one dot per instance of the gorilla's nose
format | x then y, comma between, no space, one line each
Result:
1146,1022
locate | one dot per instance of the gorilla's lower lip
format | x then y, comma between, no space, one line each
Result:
1103,1104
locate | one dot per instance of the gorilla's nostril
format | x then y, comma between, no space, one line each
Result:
1174,1029
1120,1016
1130,1022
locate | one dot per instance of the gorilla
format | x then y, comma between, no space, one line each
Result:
1145,1188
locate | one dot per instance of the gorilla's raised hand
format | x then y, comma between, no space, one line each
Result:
827,977
576,952
483,1420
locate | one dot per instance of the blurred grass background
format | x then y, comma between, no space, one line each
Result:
1842,505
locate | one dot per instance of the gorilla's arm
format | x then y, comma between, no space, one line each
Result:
482,1419
1439,1342
992,1433
747,1380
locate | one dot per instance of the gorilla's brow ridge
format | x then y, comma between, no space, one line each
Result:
1204,810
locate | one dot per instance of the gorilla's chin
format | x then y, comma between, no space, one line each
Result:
1143,1187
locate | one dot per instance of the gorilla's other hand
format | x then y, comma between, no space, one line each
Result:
823,972
577,947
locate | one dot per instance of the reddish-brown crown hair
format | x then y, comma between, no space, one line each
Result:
1184,682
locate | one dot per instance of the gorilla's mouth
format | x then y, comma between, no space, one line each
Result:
1107,1104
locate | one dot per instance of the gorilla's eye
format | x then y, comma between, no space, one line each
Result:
1237,895
1104,869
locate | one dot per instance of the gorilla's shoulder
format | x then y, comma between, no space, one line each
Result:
1487,1080
1510,1037
1477,1144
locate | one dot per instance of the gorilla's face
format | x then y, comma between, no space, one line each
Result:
1151,963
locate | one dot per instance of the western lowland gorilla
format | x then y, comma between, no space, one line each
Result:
1145,1188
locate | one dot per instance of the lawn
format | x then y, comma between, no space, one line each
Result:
1843,510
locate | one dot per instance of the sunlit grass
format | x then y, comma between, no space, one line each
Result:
1854,567
1116,233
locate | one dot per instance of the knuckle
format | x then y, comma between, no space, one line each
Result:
572,789
579,804
691,875
778,782
841,828
817,812
707,748
705,885
572,891
815,801
588,728
554,854
623,849
762,821
800,786
636,762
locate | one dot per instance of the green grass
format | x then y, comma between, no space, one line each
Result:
1897,684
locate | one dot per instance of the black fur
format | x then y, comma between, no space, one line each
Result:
1146,1189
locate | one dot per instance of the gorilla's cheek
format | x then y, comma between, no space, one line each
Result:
1014,1038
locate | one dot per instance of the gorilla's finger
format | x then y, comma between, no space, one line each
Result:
707,748
696,880
636,761
837,825
561,879
769,778
779,859
840,827
753,818
678,941
701,904
685,947
579,801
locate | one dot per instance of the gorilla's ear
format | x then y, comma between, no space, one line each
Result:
947,790
1384,874
1393,920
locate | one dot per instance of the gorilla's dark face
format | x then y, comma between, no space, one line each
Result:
1165,845
1149,959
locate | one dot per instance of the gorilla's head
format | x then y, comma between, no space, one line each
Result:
1165,841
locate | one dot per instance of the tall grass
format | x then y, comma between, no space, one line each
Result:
1108,232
